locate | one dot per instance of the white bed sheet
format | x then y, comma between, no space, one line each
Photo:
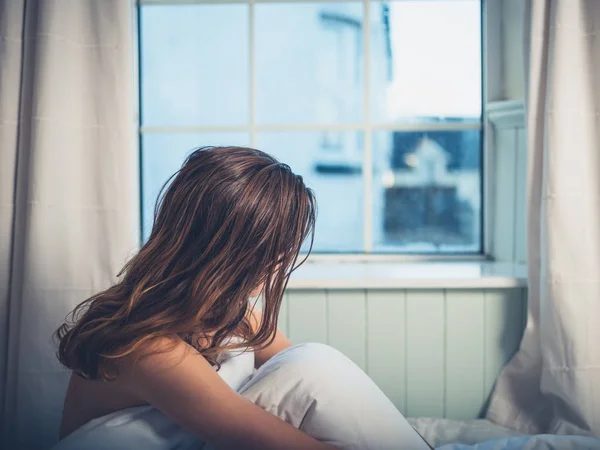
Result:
444,431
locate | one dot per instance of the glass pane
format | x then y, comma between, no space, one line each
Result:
163,155
426,60
331,164
309,63
194,64
427,192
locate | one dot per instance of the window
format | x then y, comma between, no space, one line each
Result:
376,103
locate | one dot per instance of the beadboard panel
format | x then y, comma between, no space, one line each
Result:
435,353
465,331
504,195
307,316
503,325
425,353
387,343
521,197
508,154
346,322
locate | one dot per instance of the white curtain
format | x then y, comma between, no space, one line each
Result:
68,183
553,383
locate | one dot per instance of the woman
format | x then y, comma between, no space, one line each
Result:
228,228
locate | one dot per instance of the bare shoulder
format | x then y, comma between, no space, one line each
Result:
89,399
155,356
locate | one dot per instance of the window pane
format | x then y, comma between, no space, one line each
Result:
425,60
309,61
194,65
163,155
427,192
331,164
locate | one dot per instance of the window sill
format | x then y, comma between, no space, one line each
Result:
405,275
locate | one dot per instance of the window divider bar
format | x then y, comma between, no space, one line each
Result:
367,136
417,126
251,72
221,2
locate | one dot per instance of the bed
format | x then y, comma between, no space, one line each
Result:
480,434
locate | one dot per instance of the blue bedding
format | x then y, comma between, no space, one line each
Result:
481,434
539,442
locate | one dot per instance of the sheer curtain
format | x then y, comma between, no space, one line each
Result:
68,188
553,382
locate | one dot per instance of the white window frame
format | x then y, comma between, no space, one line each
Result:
491,15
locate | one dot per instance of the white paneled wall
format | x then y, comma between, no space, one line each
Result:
435,353
466,342
509,169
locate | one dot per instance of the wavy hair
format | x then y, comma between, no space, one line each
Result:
230,220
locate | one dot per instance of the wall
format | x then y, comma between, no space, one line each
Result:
508,159
504,57
512,49
435,353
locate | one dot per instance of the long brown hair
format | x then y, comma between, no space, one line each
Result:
230,220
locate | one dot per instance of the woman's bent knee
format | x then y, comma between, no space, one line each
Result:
319,390
303,366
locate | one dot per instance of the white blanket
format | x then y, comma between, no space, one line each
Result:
311,386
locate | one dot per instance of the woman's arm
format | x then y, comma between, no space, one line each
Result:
279,343
183,385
